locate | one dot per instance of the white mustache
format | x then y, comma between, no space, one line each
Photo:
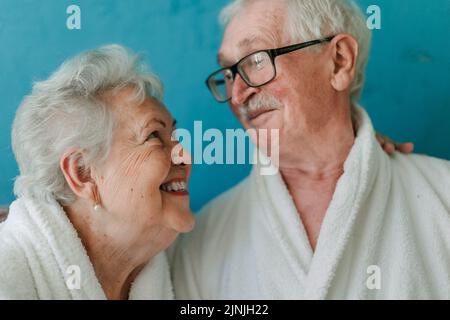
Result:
260,101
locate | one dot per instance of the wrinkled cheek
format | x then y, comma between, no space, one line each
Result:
151,164
117,194
135,183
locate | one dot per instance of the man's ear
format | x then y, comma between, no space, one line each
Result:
345,54
78,177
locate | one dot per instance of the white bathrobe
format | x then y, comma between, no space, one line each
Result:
386,235
40,252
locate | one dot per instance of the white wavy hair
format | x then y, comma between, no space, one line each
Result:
316,19
70,110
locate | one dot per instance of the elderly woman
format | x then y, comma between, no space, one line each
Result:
98,196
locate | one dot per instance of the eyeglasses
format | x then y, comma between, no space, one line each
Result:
257,69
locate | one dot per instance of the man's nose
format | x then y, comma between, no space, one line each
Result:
241,92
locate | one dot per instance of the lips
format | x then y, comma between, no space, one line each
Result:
175,187
253,114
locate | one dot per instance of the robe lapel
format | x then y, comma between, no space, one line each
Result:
284,253
352,190
309,275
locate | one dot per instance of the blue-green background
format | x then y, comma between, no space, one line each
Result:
407,92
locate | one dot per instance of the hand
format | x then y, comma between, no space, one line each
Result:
3,213
390,146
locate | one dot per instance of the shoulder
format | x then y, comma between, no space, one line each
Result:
435,167
423,175
16,280
415,165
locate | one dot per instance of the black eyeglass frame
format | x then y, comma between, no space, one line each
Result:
273,53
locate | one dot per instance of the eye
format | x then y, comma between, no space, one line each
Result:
153,135
228,76
258,60
174,135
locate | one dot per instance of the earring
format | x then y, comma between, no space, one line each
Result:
97,205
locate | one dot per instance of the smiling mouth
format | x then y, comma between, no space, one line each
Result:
176,187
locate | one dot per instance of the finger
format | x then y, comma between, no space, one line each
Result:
380,139
388,140
389,148
405,147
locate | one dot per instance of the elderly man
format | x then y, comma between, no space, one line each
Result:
341,220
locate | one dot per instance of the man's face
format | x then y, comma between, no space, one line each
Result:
299,99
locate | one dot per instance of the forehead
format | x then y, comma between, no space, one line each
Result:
129,112
259,25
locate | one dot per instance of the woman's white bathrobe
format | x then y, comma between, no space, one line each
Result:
386,235
40,252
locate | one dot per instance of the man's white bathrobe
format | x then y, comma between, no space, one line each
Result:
386,235
41,257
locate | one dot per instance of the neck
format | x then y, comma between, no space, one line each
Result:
320,154
116,259
312,168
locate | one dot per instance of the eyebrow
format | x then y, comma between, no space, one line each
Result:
247,42
222,61
156,120
243,44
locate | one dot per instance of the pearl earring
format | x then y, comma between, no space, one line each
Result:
97,205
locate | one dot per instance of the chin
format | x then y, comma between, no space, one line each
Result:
184,222
178,214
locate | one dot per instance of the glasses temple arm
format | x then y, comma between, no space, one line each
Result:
288,49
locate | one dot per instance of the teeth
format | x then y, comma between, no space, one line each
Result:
174,186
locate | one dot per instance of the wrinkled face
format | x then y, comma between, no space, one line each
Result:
143,192
300,98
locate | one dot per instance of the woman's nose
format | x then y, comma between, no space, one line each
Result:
180,156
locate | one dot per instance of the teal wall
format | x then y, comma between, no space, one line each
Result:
407,92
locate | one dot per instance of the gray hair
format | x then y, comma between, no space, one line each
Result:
70,110
315,19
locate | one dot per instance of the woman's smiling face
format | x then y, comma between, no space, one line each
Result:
139,186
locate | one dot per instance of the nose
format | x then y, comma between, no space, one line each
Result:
241,92
180,156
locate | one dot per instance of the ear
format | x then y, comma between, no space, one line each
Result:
78,177
345,54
